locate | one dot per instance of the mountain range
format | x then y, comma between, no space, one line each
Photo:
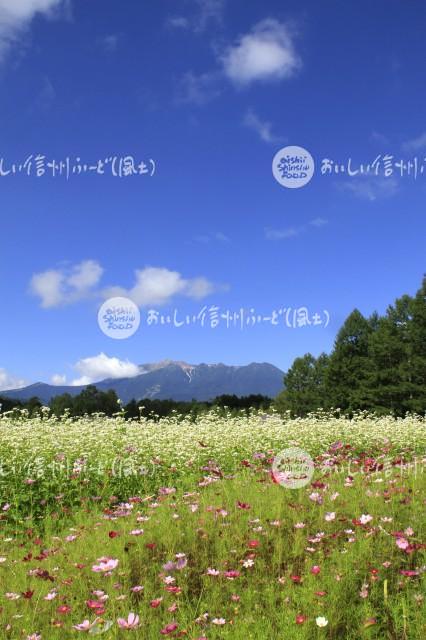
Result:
173,380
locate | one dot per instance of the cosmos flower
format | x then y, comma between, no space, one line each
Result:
321,621
132,622
86,625
105,565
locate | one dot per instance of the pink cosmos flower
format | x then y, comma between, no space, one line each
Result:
402,543
64,609
219,621
132,622
409,573
315,570
169,628
365,518
166,491
86,625
105,564
330,516
244,506
96,605
155,603
34,636
231,575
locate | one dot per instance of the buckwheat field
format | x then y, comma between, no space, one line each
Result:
179,528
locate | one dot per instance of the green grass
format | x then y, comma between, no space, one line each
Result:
263,600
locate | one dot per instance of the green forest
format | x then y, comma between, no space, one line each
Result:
377,364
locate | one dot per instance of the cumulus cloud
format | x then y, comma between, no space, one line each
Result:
261,127
58,380
8,381
58,287
266,53
153,285
16,15
100,367
157,286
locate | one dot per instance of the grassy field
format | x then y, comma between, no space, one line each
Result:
177,528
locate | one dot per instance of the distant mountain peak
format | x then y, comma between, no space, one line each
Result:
175,380
155,366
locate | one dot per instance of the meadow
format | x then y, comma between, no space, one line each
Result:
178,528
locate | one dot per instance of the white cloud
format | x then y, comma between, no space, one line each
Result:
85,275
379,138
157,286
416,144
100,367
217,236
197,89
293,232
153,285
266,53
46,95
203,14
57,287
8,381
282,234
318,222
210,11
16,15
261,127
58,380
178,22
371,188
109,42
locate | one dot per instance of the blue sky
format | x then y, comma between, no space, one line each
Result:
210,90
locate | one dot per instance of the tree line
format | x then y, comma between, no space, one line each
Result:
377,364
91,400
